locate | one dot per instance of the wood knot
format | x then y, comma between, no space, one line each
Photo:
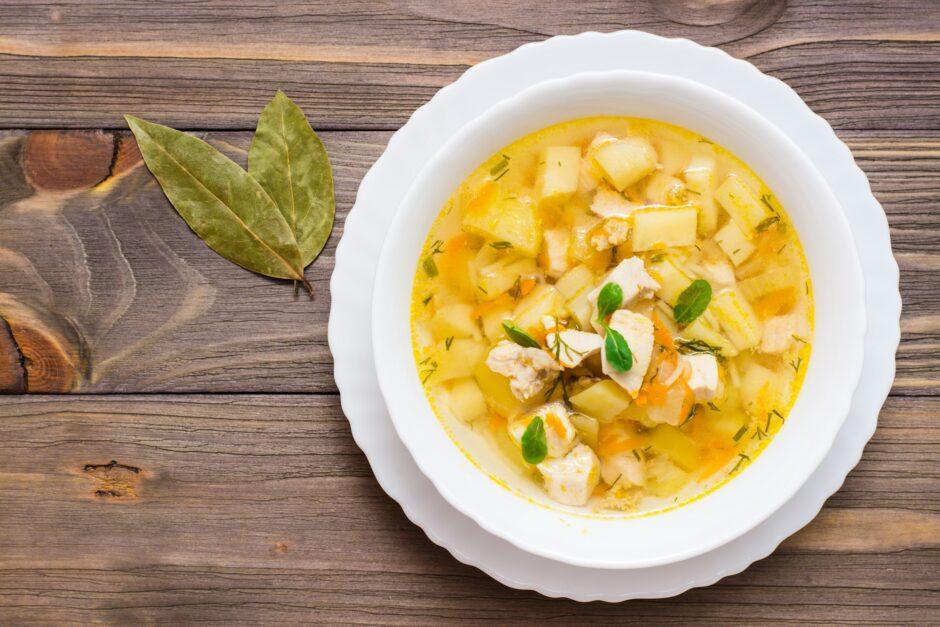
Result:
114,480
38,353
67,160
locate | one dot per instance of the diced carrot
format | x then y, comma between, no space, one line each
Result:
776,302
503,300
614,446
497,422
661,334
717,458
526,286
554,423
483,198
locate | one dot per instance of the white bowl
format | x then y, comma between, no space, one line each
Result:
521,515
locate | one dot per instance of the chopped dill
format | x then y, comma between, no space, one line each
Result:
480,287
516,290
766,223
796,364
765,198
740,433
657,257
741,459
799,339
637,455
500,245
692,347
427,299
501,166
778,414
759,433
780,250
448,342
713,407
692,191
502,174
735,251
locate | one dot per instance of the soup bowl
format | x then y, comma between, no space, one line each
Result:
474,479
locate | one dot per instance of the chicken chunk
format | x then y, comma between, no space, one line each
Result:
779,333
555,242
608,203
623,469
703,376
632,277
610,233
560,434
526,368
571,347
637,330
571,479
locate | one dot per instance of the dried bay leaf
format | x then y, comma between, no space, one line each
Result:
220,201
289,161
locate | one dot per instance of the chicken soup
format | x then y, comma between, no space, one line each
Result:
619,307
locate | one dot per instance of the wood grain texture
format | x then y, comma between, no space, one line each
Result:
201,468
356,64
247,508
139,304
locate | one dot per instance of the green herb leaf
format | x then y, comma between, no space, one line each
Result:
609,300
617,351
500,245
534,442
289,161
220,202
519,336
692,302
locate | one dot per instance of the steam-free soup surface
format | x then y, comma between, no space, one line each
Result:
619,307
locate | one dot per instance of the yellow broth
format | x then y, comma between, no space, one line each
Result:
530,238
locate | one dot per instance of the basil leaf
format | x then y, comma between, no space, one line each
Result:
289,161
519,336
692,302
617,351
221,202
609,300
534,442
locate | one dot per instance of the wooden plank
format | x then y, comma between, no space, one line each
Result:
259,508
118,295
354,64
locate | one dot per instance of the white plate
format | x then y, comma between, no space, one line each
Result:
383,188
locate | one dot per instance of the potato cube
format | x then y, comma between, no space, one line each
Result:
672,280
512,219
544,300
700,179
732,240
581,308
679,447
741,204
663,477
454,321
574,281
498,278
457,360
605,400
737,318
587,427
765,283
662,189
626,161
559,168
663,227
465,400
701,330
492,319
496,391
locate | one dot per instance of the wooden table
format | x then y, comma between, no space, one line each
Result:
181,453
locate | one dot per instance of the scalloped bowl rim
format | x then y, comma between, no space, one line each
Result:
696,527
